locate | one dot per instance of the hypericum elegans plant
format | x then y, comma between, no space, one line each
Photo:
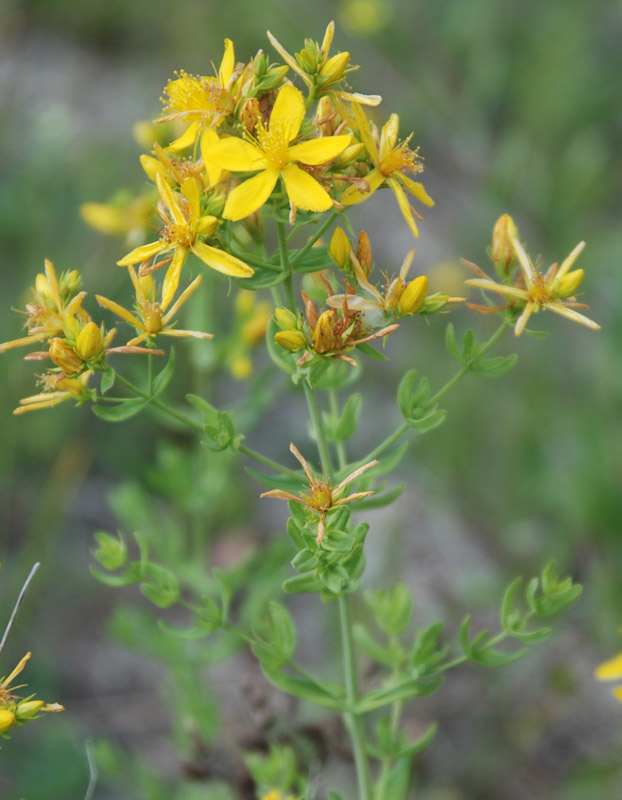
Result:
261,163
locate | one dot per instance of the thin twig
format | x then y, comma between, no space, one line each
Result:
93,775
7,630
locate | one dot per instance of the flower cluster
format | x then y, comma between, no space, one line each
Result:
16,710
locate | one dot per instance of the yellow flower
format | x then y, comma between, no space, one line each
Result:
130,217
13,709
536,291
57,388
149,318
390,159
611,670
180,232
273,155
400,297
202,101
54,303
322,497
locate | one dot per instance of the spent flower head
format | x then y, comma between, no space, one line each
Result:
16,710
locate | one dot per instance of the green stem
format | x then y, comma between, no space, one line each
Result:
323,227
150,373
353,721
286,266
339,446
268,462
387,763
318,427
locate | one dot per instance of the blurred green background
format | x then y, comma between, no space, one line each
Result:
516,107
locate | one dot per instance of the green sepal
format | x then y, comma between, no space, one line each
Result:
162,380
119,413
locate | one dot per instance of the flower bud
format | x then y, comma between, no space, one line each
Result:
502,252
65,357
334,69
323,339
28,709
569,283
350,154
249,114
285,319
291,340
70,283
413,295
89,343
329,35
7,719
308,57
363,252
339,247
326,116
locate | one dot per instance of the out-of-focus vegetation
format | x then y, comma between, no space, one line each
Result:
516,108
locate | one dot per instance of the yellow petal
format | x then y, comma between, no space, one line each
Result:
320,150
288,113
415,188
142,253
353,195
363,129
289,60
246,198
222,261
121,312
187,334
610,670
171,279
152,166
304,191
388,136
171,202
522,321
26,340
363,99
190,191
570,313
209,137
227,64
187,139
182,299
233,154
50,273
404,205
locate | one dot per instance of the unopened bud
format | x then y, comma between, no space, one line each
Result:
290,340
28,709
249,115
363,252
339,247
326,116
569,283
413,295
349,155
285,319
70,283
308,57
65,357
334,69
89,343
502,252
323,339
7,719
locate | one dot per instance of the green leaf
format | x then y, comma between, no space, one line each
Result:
276,637
294,533
531,637
370,351
420,745
405,391
281,357
387,464
337,541
356,562
262,279
162,380
507,604
185,634
378,500
305,560
346,427
373,648
302,583
112,550
400,691
107,380
306,690
428,422
391,608
124,410
225,589
493,367
210,414
315,259
159,585
451,343
283,482
468,345
399,780
126,579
